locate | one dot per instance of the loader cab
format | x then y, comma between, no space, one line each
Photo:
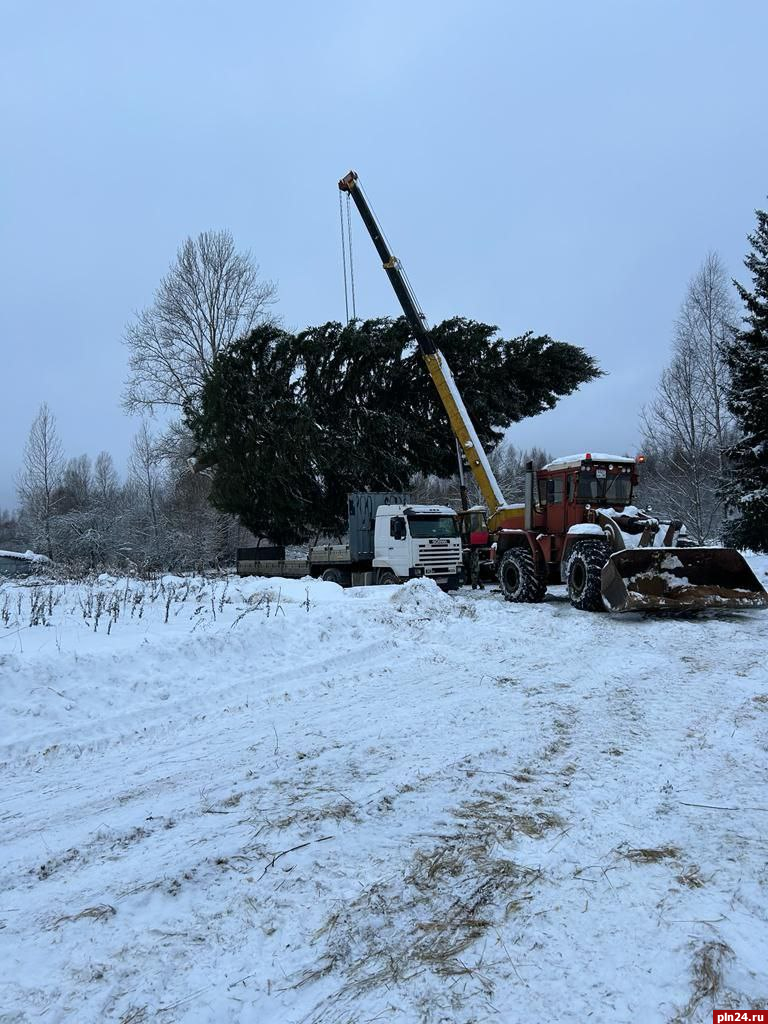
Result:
553,488
605,482
473,527
570,487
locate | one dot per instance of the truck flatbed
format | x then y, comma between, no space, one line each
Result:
290,568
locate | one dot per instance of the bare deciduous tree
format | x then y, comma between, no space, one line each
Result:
38,482
687,425
105,481
76,483
508,464
211,295
159,518
145,464
707,323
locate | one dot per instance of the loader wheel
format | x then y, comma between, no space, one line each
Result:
518,578
584,567
387,578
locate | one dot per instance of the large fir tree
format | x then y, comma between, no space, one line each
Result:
291,423
258,437
748,401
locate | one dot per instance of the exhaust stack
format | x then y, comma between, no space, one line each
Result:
529,497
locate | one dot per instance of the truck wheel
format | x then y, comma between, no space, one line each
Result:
518,578
387,578
333,576
584,567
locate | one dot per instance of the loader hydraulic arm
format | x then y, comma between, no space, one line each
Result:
440,372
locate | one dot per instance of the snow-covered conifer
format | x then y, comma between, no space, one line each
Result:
748,401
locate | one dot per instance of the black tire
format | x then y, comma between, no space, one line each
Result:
388,578
518,578
333,576
585,564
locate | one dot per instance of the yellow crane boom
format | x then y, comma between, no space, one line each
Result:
439,370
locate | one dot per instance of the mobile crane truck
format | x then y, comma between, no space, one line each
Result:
578,525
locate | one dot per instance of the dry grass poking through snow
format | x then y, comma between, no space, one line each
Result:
424,920
107,602
99,913
709,990
490,814
706,977
652,855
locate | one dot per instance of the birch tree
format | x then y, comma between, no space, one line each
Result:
146,478
707,323
211,295
40,477
687,426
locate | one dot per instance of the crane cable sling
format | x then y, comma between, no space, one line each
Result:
351,263
343,257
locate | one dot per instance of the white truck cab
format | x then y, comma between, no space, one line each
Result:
418,540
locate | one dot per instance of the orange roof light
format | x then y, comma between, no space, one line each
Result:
640,458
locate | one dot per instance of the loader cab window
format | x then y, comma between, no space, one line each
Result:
571,486
618,488
397,528
589,487
472,522
551,491
603,484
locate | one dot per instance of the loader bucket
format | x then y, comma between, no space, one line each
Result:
680,580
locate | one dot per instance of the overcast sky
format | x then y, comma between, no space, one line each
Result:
561,167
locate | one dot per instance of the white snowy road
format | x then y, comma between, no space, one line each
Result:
286,804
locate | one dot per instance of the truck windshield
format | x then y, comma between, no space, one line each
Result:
433,526
613,487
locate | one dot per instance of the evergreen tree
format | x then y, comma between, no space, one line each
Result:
748,401
293,422
253,426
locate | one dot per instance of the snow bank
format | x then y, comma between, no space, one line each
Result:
291,591
758,562
26,556
422,598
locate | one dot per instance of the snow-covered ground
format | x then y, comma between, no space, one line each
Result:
255,801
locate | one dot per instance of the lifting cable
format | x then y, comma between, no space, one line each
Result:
343,257
351,264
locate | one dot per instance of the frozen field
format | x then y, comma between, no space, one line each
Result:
247,801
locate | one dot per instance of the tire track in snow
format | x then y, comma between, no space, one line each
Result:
145,724
86,811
